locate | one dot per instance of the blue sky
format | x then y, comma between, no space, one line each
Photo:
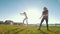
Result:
10,9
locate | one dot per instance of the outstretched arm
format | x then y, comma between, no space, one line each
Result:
21,13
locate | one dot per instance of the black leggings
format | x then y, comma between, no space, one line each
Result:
46,19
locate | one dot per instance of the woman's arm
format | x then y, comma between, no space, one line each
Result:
41,16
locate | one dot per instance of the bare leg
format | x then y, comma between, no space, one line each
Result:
27,22
24,20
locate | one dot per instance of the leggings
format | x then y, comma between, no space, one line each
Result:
46,19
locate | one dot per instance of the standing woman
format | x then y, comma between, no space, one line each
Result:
44,17
25,19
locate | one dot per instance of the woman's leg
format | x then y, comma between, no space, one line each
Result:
27,22
41,23
47,23
24,20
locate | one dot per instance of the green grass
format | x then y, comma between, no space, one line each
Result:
15,29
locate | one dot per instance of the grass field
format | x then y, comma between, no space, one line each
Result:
15,29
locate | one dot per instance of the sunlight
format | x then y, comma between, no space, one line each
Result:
33,15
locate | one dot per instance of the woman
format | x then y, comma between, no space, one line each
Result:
25,19
45,17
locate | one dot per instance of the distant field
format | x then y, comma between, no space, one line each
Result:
15,29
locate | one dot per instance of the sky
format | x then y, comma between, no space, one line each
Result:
11,9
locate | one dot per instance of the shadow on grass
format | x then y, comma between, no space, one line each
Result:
57,32
49,30
42,32
19,31
8,32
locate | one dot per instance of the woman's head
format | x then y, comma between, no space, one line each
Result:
44,8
